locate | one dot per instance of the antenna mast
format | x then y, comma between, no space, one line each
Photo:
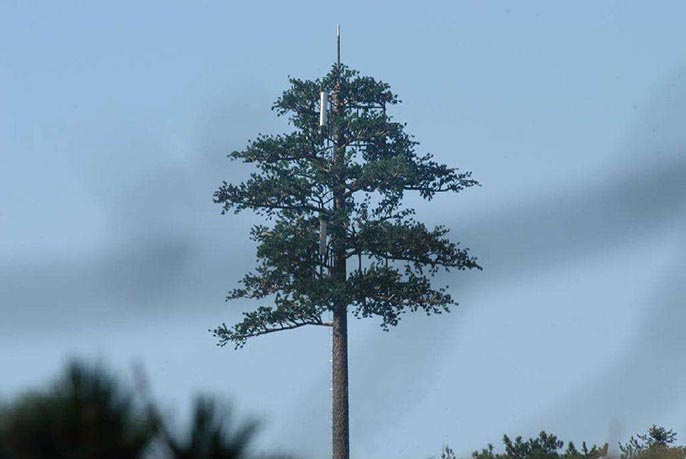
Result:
340,448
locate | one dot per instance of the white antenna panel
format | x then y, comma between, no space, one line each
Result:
323,107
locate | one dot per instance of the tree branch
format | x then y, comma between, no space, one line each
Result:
224,334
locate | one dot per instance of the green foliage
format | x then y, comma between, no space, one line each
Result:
545,446
447,453
86,414
655,444
212,435
594,452
297,182
4,452
89,414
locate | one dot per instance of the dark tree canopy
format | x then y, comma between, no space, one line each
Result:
656,442
545,446
391,256
87,414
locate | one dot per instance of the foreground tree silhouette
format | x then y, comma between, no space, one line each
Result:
334,195
212,435
90,414
87,414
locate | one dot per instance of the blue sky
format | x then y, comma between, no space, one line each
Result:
114,124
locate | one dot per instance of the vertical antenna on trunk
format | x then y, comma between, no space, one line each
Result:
323,107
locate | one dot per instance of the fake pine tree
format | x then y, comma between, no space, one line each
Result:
338,238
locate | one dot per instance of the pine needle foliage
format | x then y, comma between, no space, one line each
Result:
391,257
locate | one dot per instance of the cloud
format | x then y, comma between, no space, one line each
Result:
165,246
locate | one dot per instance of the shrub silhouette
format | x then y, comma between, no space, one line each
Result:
89,414
212,434
656,444
86,414
545,446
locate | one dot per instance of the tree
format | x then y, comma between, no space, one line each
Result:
447,453
333,196
656,443
211,435
545,446
87,414
90,414
4,452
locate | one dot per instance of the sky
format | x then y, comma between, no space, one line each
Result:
115,122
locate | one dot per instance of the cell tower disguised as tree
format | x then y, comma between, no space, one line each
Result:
338,238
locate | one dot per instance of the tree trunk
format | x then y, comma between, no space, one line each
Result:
341,429
339,359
